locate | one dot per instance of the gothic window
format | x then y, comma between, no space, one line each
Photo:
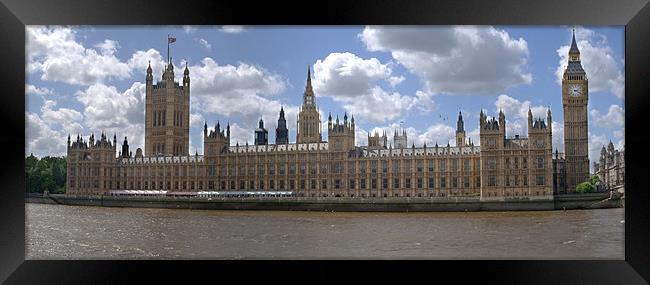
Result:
540,162
466,181
492,163
396,183
524,162
351,168
540,180
431,183
492,180
516,162
443,182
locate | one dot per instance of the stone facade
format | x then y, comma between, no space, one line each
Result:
332,168
518,166
500,168
610,168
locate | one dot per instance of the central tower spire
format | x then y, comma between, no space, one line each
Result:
309,124
308,96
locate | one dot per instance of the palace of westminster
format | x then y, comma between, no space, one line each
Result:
500,168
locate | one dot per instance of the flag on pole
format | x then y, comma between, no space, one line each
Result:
171,39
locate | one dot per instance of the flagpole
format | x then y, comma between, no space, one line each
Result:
167,48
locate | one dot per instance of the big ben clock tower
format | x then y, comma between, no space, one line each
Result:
575,96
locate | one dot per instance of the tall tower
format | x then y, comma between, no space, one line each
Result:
340,134
309,128
400,141
575,96
460,131
261,134
167,114
281,132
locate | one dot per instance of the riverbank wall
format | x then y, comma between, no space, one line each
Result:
460,204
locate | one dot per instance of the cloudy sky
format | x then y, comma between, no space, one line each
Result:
91,79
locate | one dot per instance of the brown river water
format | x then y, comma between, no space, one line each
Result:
80,232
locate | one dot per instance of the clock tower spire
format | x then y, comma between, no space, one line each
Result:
575,97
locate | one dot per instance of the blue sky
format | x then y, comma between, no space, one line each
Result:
90,79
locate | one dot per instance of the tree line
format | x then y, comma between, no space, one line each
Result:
47,173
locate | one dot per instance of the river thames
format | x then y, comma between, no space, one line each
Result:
79,232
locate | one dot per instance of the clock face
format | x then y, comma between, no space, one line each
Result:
575,90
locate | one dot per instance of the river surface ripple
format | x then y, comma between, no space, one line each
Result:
80,232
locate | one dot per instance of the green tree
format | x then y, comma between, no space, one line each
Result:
585,187
47,173
594,180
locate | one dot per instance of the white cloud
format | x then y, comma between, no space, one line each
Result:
424,101
108,47
519,109
241,134
139,62
189,29
347,76
457,60
598,61
615,117
205,43
31,89
232,29
596,142
352,81
517,114
394,80
619,134
68,119
243,92
197,120
55,53
379,105
107,109
558,136
41,139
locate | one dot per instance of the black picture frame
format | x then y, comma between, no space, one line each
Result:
15,14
